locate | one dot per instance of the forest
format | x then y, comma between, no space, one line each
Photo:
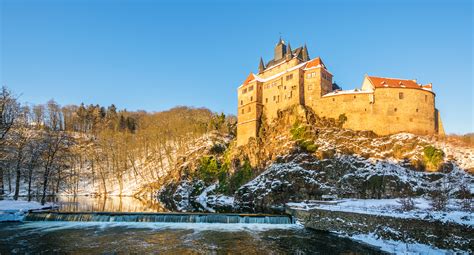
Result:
47,149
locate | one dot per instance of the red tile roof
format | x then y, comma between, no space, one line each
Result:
250,78
380,82
315,62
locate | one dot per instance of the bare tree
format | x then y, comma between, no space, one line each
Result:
8,113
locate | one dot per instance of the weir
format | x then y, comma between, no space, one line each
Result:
160,217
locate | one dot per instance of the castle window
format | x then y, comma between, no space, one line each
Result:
354,97
244,91
243,111
400,95
241,102
289,77
284,87
416,109
250,109
274,98
266,100
333,99
251,98
426,98
395,109
250,88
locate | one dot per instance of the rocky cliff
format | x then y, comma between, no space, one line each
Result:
300,156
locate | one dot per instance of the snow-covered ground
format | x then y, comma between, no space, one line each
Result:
398,247
11,210
392,208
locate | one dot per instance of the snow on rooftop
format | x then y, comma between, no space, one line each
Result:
344,92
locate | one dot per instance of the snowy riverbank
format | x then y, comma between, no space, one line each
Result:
382,223
11,210
392,208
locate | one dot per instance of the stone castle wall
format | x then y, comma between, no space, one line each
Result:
382,111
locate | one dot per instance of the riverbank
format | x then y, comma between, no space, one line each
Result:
14,210
381,223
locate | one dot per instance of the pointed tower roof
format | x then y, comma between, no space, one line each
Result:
289,53
280,41
261,66
305,54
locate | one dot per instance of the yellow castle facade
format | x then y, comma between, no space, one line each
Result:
382,105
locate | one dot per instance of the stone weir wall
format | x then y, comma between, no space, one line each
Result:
435,233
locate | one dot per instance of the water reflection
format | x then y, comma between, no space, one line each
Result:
107,204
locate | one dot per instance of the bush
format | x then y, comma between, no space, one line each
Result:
433,157
217,148
298,132
240,177
439,199
209,169
342,119
406,202
466,198
303,138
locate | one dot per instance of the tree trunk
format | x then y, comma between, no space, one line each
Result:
2,185
18,175
30,173
45,185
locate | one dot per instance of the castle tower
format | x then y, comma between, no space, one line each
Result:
249,109
280,50
317,82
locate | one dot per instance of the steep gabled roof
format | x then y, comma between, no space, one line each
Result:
250,78
381,82
317,62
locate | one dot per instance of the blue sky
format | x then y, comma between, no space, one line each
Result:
154,55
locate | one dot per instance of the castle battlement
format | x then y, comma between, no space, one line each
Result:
383,105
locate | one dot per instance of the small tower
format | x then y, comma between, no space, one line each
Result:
305,54
289,54
261,66
280,50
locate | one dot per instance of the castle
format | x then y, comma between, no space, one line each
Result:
382,105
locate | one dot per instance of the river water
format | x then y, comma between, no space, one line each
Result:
164,238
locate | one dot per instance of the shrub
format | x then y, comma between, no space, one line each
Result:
439,199
298,132
433,157
342,119
209,169
217,148
240,177
466,198
303,138
406,202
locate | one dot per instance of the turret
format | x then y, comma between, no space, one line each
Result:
289,54
261,66
305,54
280,50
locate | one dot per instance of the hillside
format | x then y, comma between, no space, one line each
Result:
304,157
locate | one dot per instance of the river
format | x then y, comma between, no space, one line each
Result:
164,238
